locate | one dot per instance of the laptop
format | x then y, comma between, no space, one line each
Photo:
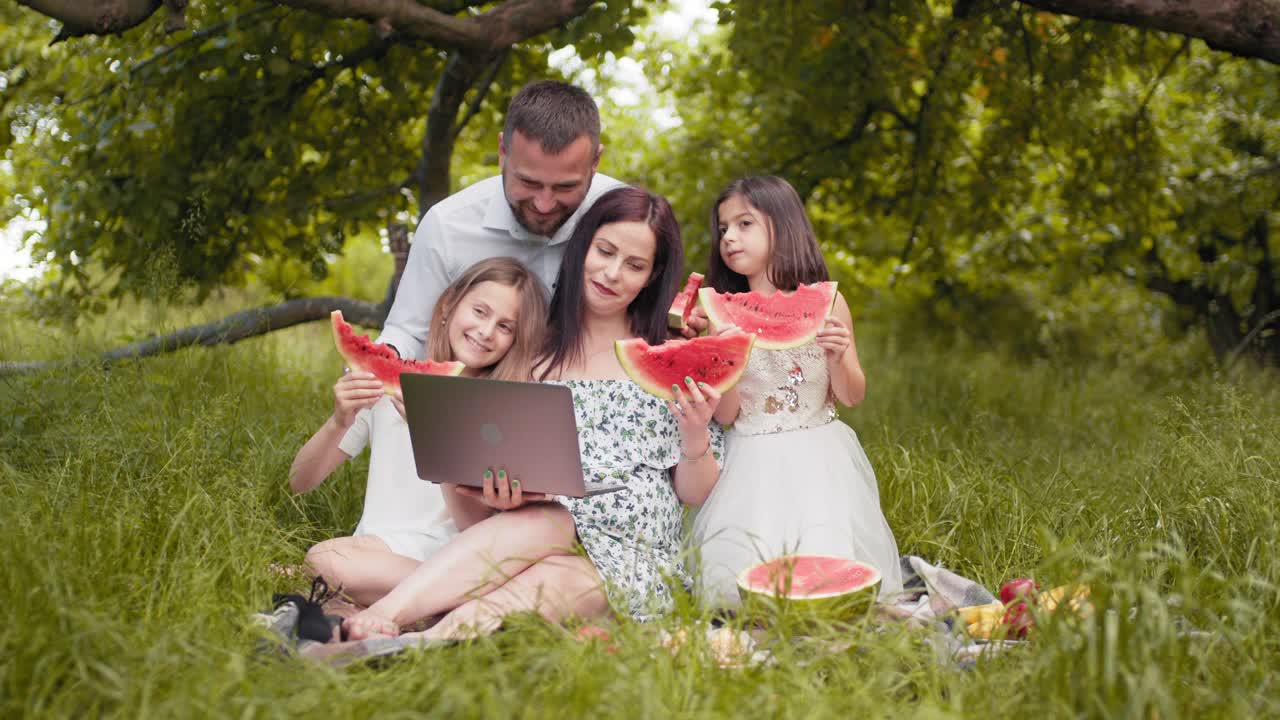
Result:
459,427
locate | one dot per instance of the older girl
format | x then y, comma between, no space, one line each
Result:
492,319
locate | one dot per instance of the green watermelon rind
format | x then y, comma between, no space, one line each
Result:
363,355
678,315
839,605
770,339
624,349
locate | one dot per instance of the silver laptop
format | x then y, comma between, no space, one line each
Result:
459,427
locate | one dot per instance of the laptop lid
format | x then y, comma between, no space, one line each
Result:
459,427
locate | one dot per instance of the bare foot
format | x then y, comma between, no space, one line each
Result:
366,624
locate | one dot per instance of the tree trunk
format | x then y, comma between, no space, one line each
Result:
1249,28
461,73
231,329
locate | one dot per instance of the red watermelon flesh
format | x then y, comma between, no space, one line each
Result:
780,321
686,299
808,576
718,361
365,355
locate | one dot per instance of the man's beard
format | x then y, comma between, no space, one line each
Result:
546,227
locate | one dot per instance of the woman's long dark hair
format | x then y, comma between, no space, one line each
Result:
648,312
794,256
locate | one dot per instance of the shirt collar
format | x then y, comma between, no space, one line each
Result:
498,216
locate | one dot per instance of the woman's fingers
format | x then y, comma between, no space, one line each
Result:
503,488
695,395
516,493
489,495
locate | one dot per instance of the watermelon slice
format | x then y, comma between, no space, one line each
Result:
780,321
718,361
365,355
686,299
832,586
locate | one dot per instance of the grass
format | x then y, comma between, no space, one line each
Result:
143,505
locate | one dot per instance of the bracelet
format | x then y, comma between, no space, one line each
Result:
692,458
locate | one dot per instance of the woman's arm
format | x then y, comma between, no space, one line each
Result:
697,472
847,380
466,510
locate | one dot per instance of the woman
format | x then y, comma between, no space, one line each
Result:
579,557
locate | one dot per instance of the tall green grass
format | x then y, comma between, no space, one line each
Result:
143,505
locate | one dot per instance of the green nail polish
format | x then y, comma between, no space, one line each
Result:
675,388
515,483
488,474
502,474
688,379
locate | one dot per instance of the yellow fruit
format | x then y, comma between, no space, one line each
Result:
975,613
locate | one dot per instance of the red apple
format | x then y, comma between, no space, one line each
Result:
1019,620
1019,589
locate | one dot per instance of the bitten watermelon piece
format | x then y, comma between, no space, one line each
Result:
365,355
834,587
780,321
686,300
718,361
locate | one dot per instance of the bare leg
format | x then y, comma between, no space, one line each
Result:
484,556
558,587
364,567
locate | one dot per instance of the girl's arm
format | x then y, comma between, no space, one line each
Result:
318,458
697,472
847,380
320,455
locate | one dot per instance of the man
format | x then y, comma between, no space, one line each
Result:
548,152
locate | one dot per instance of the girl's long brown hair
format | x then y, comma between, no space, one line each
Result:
531,325
794,256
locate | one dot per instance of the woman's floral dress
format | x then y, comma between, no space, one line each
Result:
633,537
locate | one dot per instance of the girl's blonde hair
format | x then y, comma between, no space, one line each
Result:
531,325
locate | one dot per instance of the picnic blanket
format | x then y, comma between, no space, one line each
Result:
930,596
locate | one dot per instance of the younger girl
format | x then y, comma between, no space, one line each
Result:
795,479
492,319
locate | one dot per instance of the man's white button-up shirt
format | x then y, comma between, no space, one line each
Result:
471,225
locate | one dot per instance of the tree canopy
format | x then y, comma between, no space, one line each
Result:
1026,164
987,156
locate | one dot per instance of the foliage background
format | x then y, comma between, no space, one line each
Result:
1052,233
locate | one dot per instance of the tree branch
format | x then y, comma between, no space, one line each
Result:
1248,28
231,329
506,24
482,89
94,17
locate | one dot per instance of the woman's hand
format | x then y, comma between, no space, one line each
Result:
500,492
693,408
354,392
834,338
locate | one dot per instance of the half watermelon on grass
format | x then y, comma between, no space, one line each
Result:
717,361
365,355
779,321
811,586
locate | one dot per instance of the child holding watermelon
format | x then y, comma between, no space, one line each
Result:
795,479
492,320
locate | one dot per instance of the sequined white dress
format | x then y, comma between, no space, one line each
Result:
794,480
